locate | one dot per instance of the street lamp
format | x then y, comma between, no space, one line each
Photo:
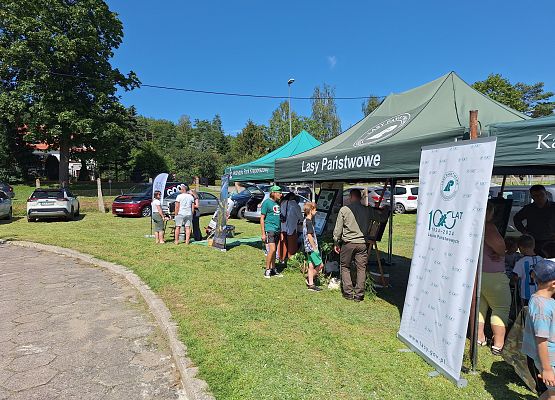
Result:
289,83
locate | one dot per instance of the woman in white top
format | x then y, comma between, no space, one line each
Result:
158,217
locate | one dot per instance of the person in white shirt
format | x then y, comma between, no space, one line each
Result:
184,203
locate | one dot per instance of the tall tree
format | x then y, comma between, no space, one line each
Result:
55,72
250,143
370,104
324,112
278,126
529,99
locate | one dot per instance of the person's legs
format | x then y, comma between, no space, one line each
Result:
197,235
499,299
178,224
311,274
188,220
271,256
482,312
361,261
282,245
345,258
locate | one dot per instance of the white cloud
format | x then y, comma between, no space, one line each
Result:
332,60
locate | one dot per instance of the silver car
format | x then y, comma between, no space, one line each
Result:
208,203
5,206
254,215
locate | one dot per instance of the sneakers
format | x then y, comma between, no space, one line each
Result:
267,273
314,288
276,273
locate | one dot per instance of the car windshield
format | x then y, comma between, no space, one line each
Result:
380,191
414,191
140,189
254,190
50,194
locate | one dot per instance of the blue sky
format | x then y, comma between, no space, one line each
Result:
360,47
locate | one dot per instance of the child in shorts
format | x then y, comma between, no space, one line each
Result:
538,343
315,263
525,266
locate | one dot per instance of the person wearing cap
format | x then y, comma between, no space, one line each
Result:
184,203
270,225
538,343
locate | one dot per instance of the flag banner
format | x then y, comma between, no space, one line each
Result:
160,184
453,193
221,220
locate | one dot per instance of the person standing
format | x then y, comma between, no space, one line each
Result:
184,207
351,241
496,292
158,217
197,235
539,217
270,225
291,218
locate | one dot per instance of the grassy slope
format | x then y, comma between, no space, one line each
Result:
271,339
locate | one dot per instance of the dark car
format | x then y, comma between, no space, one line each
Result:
241,198
136,203
4,187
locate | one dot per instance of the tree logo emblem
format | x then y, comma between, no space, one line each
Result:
383,130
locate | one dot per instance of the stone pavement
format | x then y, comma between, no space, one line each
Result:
69,330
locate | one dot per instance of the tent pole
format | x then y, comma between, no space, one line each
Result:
390,238
500,194
313,191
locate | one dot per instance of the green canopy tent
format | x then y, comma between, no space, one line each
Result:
263,169
386,143
525,147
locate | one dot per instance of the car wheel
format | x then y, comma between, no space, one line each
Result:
145,212
78,210
10,215
71,215
399,208
241,212
31,219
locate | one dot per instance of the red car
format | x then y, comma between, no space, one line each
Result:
136,203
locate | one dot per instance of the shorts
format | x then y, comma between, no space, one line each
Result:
315,258
272,237
183,220
534,370
158,222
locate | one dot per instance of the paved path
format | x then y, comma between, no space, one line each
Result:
69,330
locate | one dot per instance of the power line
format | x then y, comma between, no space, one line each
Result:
259,96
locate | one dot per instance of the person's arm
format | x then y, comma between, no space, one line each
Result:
338,231
518,218
262,218
494,240
310,238
547,370
176,208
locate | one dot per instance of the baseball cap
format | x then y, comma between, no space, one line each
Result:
545,271
275,189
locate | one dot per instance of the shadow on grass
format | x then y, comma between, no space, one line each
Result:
9,221
398,280
497,380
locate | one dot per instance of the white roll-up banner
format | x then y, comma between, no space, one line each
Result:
453,192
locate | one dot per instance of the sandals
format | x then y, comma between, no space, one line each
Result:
496,351
482,343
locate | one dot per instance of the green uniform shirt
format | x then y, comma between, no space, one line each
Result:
270,209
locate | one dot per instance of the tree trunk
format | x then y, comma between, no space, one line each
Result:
64,160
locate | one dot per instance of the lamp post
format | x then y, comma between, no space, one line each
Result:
289,83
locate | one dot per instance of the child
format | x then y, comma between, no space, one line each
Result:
539,333
525,266
315,263
511,255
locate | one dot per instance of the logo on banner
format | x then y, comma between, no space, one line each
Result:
449,185
383,130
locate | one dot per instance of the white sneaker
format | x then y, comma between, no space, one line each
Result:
267,273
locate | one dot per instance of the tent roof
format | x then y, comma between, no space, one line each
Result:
262,169
525,147
387,142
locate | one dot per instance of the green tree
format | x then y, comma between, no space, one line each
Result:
278,126
146,162
324,113
55,72
529,99
370,104
250,143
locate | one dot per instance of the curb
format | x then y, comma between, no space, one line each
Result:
193,388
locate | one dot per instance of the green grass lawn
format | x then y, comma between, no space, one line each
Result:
254,338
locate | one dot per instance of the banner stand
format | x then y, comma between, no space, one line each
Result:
461,383
474,314
159,183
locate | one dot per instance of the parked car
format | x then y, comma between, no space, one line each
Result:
136,202
254,205
240,199
52,203
7,189
374,193
6,211
521,197
301,190
208,203
406,198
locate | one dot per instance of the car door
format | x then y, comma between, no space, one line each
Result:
208,203
4,204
